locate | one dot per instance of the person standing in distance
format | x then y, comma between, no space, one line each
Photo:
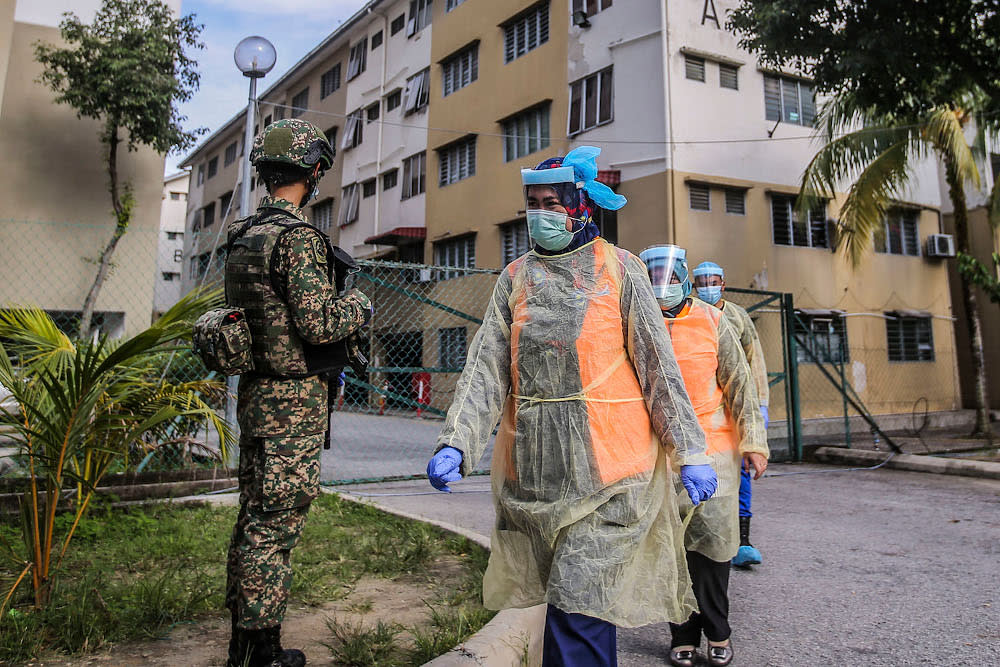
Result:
710,282
279,270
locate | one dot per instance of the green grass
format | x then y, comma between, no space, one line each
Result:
132,574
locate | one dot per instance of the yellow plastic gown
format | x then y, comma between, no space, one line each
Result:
574,354
719,383
746,332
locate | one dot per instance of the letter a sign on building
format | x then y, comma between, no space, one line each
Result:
708,13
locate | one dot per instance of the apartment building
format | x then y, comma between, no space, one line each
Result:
54,207
170,253
444,101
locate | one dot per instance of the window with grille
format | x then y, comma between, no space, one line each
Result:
459,253
457,161
460,70
729,76
909,338
591,101
694,68
208,215
591,7
204,260
420,16
368,188
358,59
393,100
699,197
397,24
417,93
513,241
451,4
331,136
414,170
330,81
372,112
279,113
201,174
736,201
789,100
825,335
376,40
789,229
230,156
353,131
898,234
526,133
452,347
300,102
526,32
224,203
322,215
213,166
349,205
389,179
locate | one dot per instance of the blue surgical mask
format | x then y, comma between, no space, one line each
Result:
548,229
710,294
672,295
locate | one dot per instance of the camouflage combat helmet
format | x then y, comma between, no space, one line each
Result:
292,141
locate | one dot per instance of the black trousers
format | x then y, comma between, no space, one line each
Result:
710,581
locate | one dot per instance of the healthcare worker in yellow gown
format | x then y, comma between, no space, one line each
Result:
724,396
574,362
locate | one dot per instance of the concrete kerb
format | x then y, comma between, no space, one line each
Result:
911,462
511,639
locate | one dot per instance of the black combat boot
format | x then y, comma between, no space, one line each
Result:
278,657
238,647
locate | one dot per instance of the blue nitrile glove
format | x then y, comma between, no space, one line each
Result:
443,468
341,379
700,481
767,417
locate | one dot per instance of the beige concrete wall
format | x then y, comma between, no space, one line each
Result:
493,196
6,33
54,204
983,241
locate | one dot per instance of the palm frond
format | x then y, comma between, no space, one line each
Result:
945,132
34,337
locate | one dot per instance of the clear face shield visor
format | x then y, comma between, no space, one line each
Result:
666,264
551,229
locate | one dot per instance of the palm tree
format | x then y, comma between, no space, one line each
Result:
81,407
878,159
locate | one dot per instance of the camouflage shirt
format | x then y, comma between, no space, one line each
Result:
271,406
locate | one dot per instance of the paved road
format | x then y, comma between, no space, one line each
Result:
882,568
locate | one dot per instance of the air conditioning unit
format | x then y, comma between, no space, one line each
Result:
580,19
940,245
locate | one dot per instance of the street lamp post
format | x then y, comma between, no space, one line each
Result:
255,56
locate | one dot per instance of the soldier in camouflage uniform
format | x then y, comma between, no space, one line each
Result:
280,271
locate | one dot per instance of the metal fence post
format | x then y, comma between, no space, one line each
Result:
843,385
792,379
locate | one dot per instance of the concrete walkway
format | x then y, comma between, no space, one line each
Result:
881,567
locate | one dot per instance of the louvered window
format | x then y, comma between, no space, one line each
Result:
459,253
414,169
213,166
736,201
300,102
526,133
376,40
729,76
591,101
699,196
368,188
389,179
372,112
420,16
230,156
353,131
457,161
322,215
349,205
208,217
358,60
397,24
417,93
526,32
393,100
909,338
789,229
898,233
694,68
460,70
330,81
789,100
513,241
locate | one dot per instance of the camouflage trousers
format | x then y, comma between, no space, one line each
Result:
279,477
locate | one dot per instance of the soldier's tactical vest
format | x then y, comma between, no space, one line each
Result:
252,284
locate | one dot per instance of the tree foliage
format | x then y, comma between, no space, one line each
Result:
130,69
976,273
902,58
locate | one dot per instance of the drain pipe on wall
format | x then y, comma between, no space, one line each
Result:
381,97
668,118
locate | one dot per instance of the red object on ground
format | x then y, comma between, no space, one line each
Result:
421,385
